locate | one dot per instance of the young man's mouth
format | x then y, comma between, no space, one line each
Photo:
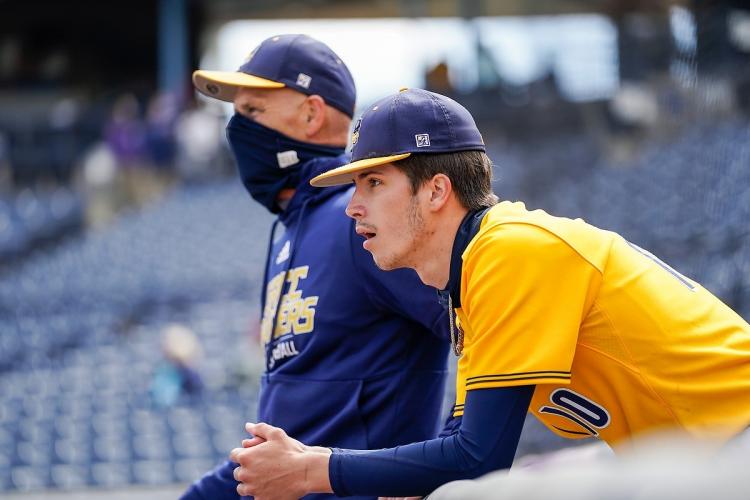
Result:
364,232
367,233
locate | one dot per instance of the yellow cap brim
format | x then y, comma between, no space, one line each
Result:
223,85
345,173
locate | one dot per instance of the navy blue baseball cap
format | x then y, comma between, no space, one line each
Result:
298,62
413,121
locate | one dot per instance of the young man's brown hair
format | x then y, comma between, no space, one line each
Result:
470,173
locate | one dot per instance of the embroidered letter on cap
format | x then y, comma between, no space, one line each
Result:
423,140
304,80
355,134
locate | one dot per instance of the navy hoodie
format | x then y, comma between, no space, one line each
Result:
358,356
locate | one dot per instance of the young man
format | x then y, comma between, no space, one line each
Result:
355,357
592,334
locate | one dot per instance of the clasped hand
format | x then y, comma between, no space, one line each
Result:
273,465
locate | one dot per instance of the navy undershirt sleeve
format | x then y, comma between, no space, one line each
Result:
450,427
486,440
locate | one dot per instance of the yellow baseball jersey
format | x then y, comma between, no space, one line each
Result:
617,342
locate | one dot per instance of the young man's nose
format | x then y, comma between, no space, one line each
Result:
354,209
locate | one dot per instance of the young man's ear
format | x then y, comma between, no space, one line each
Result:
440,190
314,113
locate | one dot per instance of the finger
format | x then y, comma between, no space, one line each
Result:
243,490
249,443
254,440
264,431
235,455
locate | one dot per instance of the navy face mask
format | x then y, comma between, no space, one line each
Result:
269,161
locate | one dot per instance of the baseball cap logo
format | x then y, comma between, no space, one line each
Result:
423,140
355,134
304,80
212,88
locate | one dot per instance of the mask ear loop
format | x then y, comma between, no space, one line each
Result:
292,249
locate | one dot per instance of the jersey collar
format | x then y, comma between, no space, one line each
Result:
466,231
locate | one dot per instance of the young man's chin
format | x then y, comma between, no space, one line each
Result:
382,264
386,264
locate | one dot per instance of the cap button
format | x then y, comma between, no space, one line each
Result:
403,89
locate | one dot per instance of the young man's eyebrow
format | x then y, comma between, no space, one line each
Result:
369,172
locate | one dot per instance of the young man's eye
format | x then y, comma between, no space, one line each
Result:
374,182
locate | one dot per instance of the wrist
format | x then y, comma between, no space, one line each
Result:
316,469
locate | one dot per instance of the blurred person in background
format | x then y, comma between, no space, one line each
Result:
97,179
177,377
64,124
437,79
198,132
6,177
355,356
124,135
160,142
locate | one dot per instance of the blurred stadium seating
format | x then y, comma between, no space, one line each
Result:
30,219
81,332
686,200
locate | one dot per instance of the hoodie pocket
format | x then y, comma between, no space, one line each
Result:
320,413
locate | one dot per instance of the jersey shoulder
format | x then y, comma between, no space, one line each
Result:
513,230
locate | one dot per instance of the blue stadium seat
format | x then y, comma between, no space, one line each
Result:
67,477
73,450
153,472
111,474
29,478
